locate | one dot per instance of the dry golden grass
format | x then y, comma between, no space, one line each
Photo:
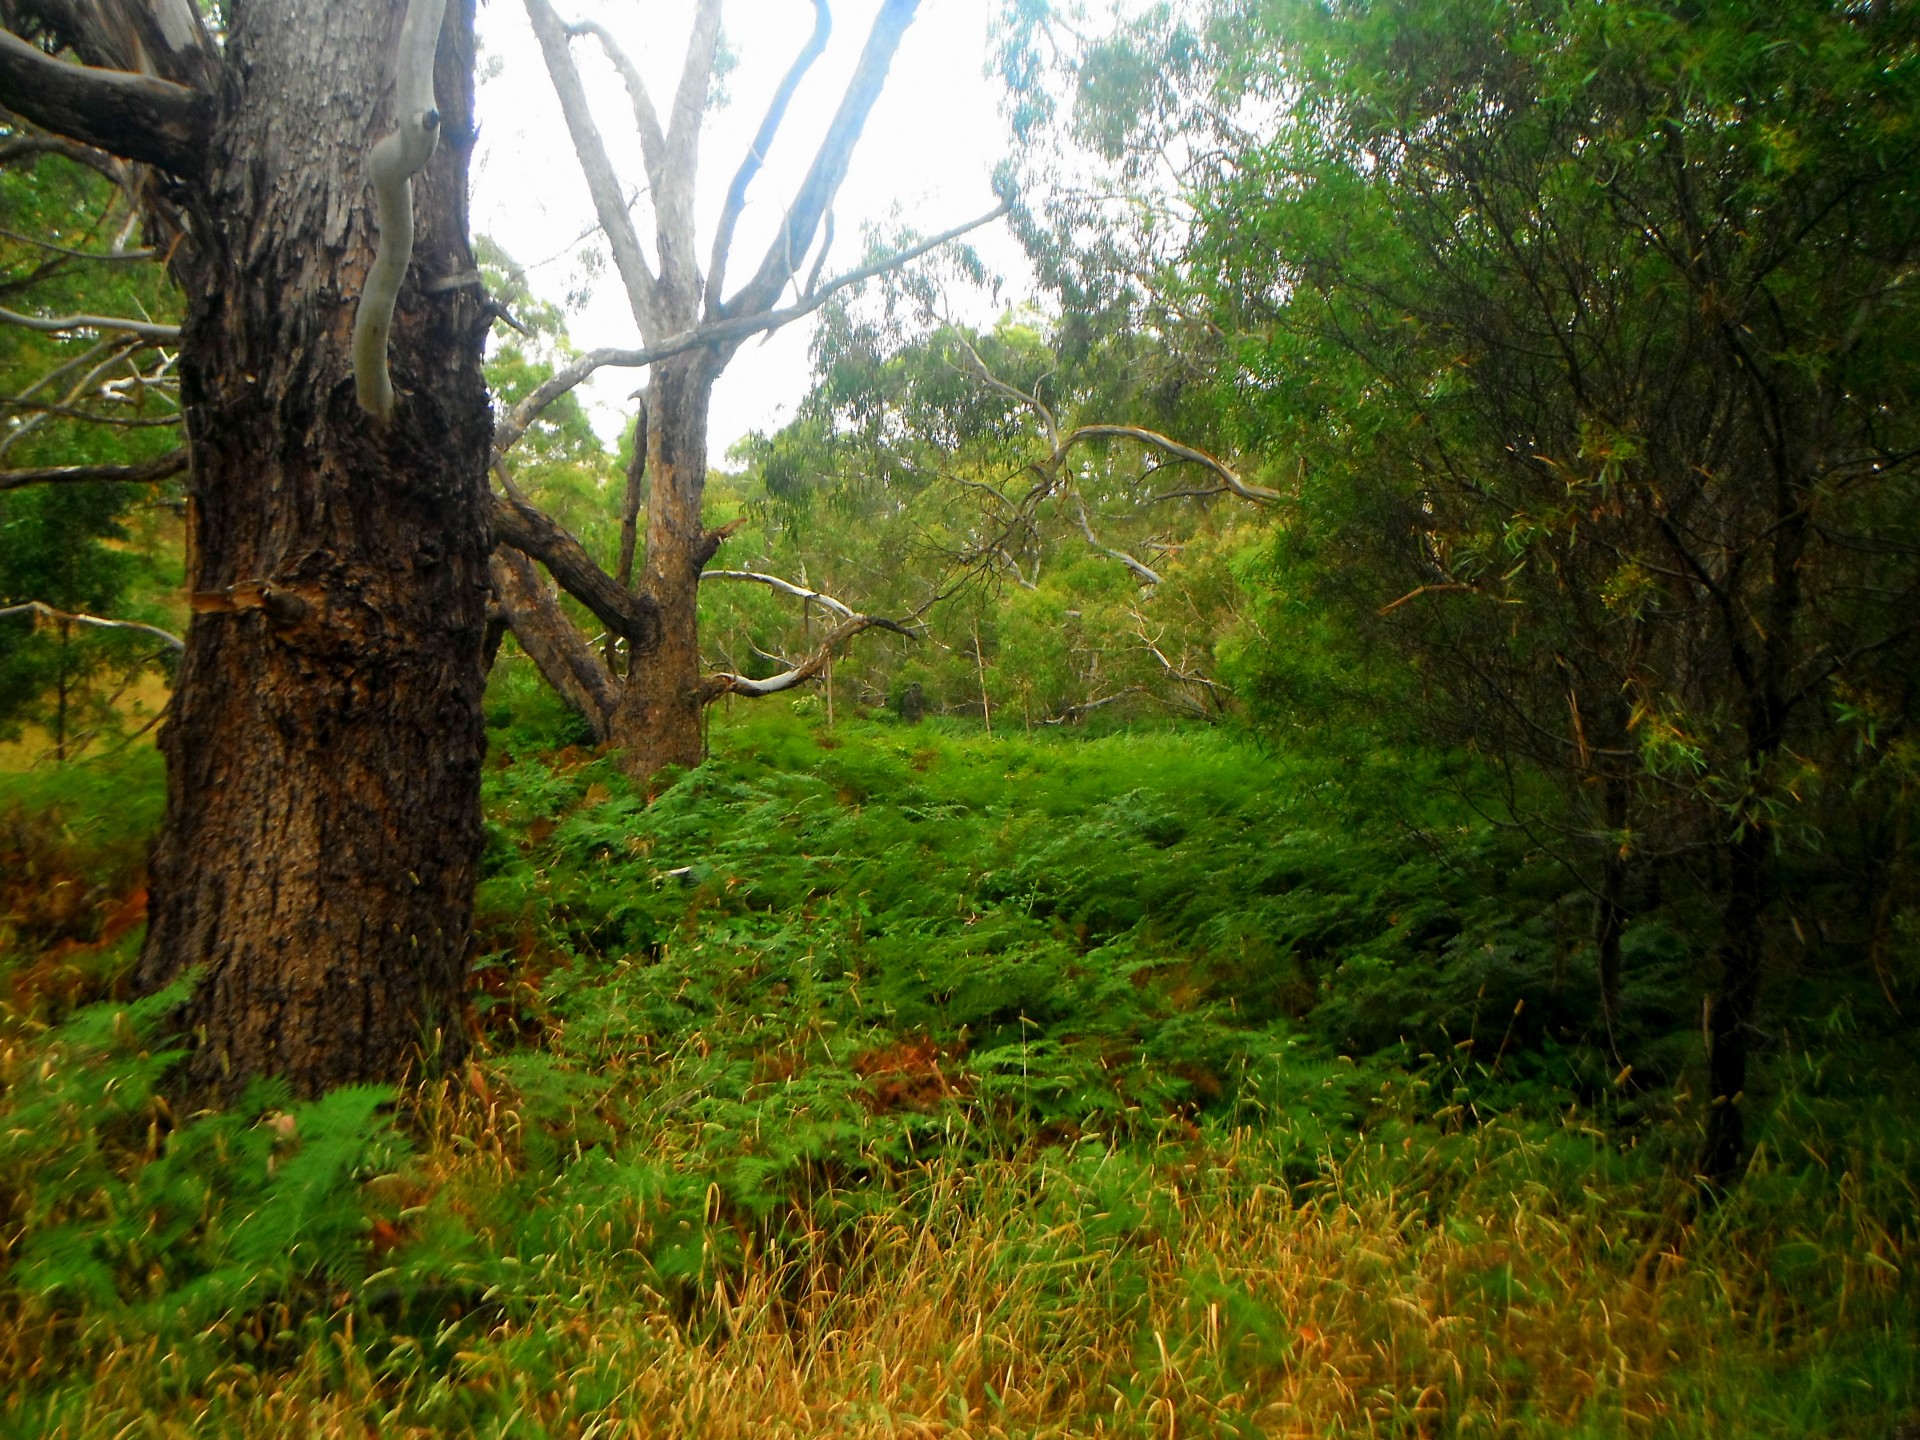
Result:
1460,1292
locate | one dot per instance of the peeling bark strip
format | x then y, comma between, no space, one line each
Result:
317,856
397,158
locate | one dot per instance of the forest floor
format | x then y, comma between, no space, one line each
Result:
896,1080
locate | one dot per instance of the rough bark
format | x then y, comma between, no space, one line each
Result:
658,721
317,857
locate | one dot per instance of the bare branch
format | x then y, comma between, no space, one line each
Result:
135,116
718,685
795,239
1145,575
756,155
673,191
1012,392
56,325
563,659
653,140
1256,493
785,587
671,157
48,245
723,332
602,183
47,612
111,166
163,467
635,618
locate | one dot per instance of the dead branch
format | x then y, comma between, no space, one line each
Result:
1145,575
785,587
43,611
162,467
137,117
1259,494
722,684
55,325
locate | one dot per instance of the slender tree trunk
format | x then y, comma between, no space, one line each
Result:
658,720
1730,1018
60,698
1610,909
317,858
546,634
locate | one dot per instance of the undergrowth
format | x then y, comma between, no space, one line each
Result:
898,1082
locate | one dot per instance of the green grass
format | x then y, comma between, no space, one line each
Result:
899,1082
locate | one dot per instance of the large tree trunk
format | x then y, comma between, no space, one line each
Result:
317,858
658,720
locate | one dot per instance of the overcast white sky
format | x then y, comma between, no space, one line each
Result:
927,156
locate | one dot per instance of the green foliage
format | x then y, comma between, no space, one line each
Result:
1114,1010
75,400
119,1227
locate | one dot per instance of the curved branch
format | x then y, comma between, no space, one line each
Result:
785,587
815,197
46,612
397,157
756,155
163,467
1259,494
635,618
134,116
52,325
724,684
722,332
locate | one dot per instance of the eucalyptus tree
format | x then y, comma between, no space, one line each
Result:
691,323
1059,562
317,856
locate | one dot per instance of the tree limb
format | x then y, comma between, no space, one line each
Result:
785,587
602,183
1143,573
756,155
52,325
564,660
47,612
134,116
633,617
790,246
163,467
722,684
723,332
1259,494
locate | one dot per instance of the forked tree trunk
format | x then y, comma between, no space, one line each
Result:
322,825
658,720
